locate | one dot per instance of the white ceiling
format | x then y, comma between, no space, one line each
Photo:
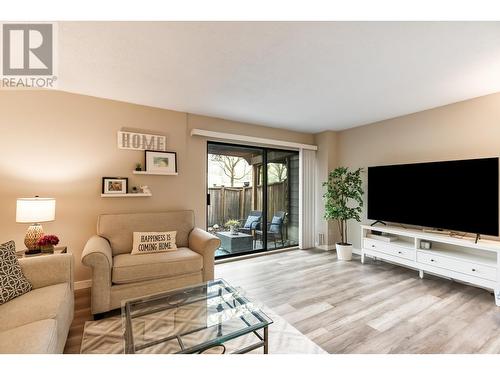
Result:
306,76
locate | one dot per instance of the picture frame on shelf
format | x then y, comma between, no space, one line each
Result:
161,161
114,185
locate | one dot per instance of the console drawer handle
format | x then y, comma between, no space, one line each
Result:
373,245
432,260
473,270
400,252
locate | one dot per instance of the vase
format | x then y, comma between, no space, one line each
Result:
233,230
47,249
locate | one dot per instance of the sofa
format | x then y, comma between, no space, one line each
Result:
117,275
38,322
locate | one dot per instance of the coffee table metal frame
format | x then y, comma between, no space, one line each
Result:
183,298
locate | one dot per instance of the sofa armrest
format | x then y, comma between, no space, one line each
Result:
204,244
48,270
97,254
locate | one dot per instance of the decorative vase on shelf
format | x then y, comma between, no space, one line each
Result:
233,229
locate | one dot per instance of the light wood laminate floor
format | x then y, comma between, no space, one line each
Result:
347,307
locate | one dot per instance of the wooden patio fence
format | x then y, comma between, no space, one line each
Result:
236,202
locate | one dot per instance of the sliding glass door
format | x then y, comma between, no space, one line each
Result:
252,198
282,199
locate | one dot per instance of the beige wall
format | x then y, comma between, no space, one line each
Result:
60,145
327,160
469,129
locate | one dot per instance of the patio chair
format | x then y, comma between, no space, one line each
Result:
275,228
252,222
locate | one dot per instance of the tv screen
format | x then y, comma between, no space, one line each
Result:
459,195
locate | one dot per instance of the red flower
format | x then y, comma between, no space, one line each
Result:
47,240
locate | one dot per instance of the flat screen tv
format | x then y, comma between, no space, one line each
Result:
460,195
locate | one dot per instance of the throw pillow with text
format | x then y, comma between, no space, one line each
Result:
153,242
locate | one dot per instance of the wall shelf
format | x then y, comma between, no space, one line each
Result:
155,173
129,195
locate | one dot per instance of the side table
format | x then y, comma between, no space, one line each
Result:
57,250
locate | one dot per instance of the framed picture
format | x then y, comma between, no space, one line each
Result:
161,161
114,185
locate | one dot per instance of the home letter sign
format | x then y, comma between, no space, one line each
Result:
138,141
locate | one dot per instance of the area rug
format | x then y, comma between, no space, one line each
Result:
106,337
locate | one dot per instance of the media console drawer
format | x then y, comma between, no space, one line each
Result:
389,249
457,265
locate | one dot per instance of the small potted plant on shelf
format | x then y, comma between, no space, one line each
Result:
343,202
233,226
47,243
138,167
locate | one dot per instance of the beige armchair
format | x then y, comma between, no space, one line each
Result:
117,275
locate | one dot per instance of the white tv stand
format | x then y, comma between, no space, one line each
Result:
451,257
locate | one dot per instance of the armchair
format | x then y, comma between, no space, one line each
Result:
251,223
275,228
117,275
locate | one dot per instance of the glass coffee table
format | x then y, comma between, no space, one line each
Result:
196,319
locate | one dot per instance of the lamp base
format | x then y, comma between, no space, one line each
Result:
33,234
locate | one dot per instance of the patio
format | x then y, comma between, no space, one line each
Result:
242,201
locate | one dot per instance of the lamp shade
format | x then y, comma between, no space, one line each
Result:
35,210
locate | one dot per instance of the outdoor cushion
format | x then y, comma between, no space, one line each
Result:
275,224
128,268
251,222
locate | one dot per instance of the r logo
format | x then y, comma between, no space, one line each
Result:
27,49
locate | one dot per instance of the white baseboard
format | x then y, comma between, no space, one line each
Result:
84,284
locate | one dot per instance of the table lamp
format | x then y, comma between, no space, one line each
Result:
35,211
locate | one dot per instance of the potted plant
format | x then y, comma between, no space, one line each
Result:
47,243
233,226
343,202
138,167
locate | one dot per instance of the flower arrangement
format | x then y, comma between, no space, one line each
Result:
48,240
233,226
232,223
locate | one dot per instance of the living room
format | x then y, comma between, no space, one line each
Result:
307,187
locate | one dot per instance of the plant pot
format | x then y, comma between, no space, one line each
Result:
48,249
344,252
